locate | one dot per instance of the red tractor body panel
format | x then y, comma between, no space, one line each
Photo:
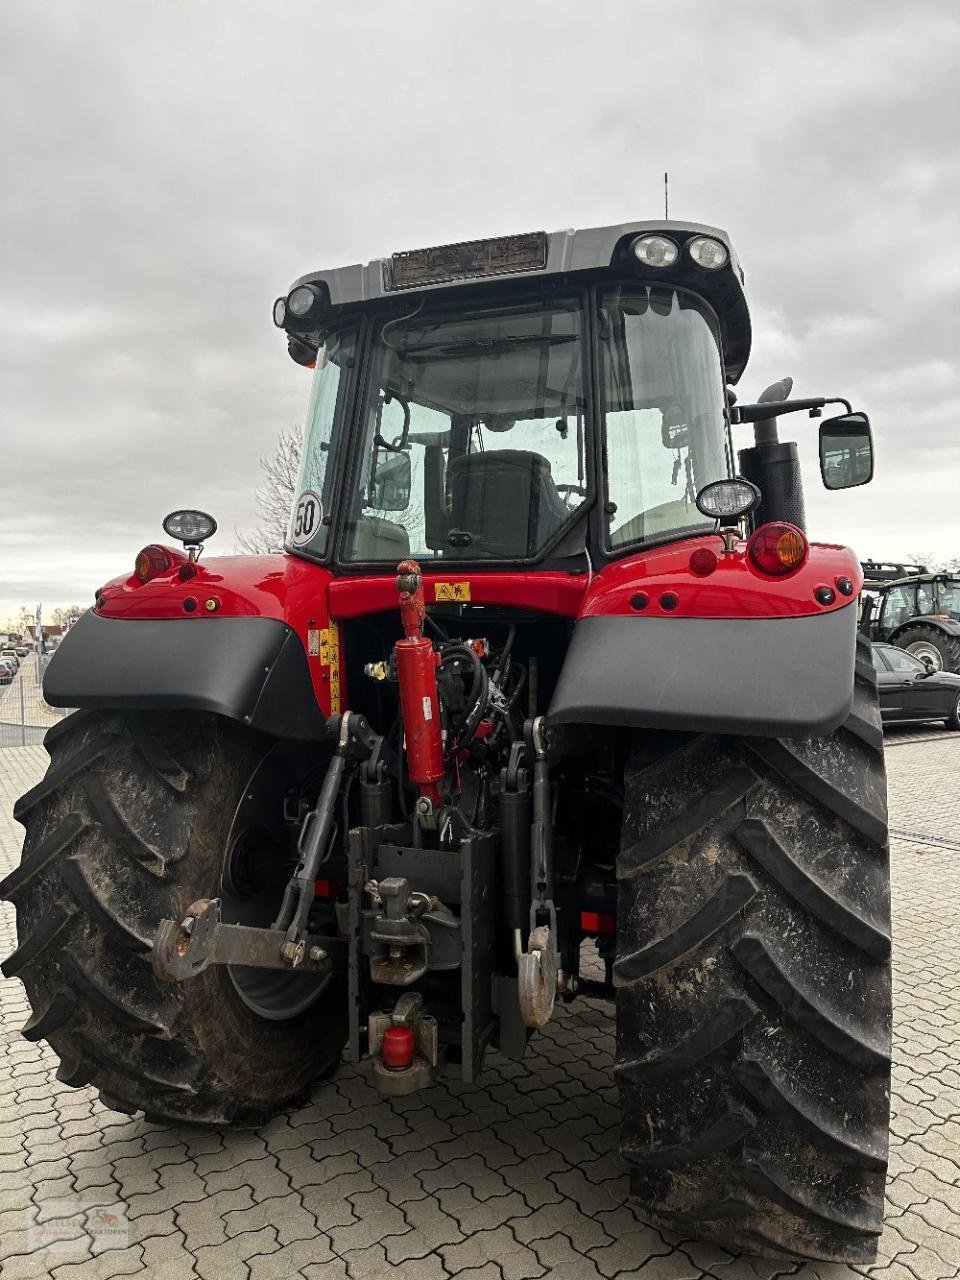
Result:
311,601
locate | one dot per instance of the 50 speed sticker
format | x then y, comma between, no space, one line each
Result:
307,517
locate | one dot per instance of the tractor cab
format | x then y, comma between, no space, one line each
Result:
487,407
528,399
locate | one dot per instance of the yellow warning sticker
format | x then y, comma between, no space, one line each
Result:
328,652
455,591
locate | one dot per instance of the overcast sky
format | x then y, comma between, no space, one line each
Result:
168,169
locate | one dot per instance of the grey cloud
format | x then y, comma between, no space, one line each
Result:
174,167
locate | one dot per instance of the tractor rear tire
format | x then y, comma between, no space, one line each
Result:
930,642
753,986
130,826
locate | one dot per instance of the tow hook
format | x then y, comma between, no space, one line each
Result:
403,1045
537,978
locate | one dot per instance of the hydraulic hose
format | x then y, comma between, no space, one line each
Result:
462,732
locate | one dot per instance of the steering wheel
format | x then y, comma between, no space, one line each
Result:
571,491
401,442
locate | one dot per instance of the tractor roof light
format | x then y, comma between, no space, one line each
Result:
728,500
280,312
708,253
778,548
656,251
301,301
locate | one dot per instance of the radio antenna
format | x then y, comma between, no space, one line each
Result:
666,196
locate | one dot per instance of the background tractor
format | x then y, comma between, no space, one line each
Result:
917,610
538,674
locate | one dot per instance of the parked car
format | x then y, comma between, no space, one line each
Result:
22,651
7,671
10,655
912,690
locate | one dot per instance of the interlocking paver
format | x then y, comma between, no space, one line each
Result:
203,1221
291,1259
428,1227
214,1262
512,1179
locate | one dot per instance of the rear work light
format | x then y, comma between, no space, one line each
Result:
778,548
655,251
152,561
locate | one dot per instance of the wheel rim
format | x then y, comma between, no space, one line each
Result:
924,649
255,870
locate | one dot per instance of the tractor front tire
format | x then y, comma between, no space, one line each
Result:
753,986
923,642
130,826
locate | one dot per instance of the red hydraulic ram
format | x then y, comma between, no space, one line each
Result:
416,664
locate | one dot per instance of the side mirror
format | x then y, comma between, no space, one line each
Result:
846,451
390,482
928,663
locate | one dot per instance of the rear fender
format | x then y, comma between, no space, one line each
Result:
248,637
764,677
947,625
253,670
733,652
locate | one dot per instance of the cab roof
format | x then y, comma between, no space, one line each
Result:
601,251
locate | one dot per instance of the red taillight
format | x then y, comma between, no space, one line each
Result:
703,561
397,1048
597,922
152,561
778,548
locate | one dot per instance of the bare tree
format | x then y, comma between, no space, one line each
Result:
275,496
937,565
67,616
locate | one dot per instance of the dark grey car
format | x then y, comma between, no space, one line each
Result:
911,690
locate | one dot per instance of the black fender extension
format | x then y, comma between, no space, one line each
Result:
253,670
761,677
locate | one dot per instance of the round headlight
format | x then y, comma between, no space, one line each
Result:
708,253
655,251
190,527
300,301
279,312
728,499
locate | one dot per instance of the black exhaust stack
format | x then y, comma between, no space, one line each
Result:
774,466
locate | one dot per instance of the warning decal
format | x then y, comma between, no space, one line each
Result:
328,651
455,591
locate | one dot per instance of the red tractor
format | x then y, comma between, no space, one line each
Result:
543,673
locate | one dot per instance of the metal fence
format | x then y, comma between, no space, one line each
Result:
24,716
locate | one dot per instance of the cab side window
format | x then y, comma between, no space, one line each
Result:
897,607
924,598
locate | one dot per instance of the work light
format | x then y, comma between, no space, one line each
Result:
655,251
301,300
190,527
280,312
708,253
728,499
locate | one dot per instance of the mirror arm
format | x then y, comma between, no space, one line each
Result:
774,409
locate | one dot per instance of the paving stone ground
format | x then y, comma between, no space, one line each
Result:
513,1179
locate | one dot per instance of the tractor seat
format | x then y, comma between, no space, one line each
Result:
507,500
